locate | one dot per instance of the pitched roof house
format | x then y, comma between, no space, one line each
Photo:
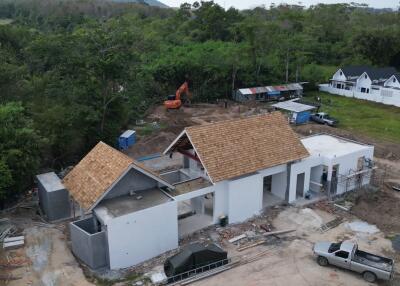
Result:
96,174
365,82
230,170
237,147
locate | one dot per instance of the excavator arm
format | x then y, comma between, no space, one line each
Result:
177,102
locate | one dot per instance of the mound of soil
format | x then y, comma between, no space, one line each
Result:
379,208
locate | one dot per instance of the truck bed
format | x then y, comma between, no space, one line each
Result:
373,260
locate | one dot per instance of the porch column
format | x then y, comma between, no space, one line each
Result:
288,181
328,181
198,204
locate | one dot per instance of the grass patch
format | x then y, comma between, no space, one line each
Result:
149,128
5,21
365,117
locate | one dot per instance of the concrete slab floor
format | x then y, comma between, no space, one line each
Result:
193,223
315,197
270,199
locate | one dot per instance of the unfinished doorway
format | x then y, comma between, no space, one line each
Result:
267,184
195,214
300,185
274,188
334,180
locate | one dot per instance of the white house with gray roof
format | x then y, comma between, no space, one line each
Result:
368,83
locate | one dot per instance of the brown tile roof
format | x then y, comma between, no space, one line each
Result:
237,147
95,173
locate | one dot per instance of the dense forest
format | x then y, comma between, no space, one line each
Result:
78,71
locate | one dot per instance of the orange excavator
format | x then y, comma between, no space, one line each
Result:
175,101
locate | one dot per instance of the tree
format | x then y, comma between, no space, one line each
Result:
19,150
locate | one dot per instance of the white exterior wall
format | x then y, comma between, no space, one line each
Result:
392,82
241,198
346,163
339,77
316,176
349,163
389,96
245,198
138,236
363,82
303,166
221,200
278,185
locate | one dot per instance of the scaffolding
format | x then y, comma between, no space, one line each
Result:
369,176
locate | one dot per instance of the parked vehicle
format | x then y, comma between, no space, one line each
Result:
347,255
324,118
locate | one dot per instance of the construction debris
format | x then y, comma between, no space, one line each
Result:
7,277
331,224
237,238
265,227
251,245
342,207
6,228
14,262
274,233
11,239
13,242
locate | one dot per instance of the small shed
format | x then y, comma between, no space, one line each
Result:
268,93
127,139
53,197
299,112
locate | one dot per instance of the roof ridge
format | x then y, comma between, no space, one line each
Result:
230,120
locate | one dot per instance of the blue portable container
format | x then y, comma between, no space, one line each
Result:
127,139
303,117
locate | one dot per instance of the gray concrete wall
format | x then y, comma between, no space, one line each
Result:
54,204
43,198
87,244
279,184
132,181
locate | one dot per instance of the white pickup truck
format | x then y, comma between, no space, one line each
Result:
347,255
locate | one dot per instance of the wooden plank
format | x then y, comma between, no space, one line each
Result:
15,238
237,238
251,245
278,232
13,244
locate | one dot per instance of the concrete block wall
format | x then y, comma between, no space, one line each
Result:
139,236
54,199
245,198
89,245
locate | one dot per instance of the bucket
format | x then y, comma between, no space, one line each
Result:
223,220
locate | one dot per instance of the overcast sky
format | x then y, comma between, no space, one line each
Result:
244,4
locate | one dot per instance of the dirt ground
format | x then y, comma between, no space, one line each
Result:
291,262
380,208
46,258
176,120
288,261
